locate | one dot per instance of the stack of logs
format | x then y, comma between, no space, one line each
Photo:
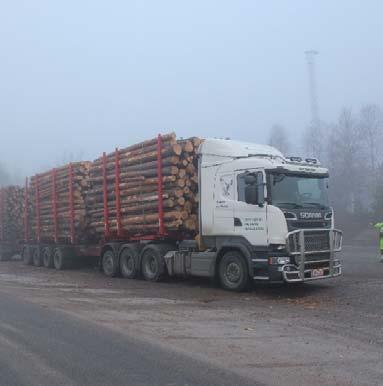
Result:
11,213
130,178
54,201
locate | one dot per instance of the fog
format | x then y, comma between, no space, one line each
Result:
78,78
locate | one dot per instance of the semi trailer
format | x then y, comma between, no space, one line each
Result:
261,217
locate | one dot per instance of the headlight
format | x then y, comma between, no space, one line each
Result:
279,260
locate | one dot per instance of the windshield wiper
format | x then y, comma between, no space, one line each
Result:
292,204
316,204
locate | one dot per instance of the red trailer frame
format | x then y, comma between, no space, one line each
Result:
109,238
71,206
37,203
26,211
2,215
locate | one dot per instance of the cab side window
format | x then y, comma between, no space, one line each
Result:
241,187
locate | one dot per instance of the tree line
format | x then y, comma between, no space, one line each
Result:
352,150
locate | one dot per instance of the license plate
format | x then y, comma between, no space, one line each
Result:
317,272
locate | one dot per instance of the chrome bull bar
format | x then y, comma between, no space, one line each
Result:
302,244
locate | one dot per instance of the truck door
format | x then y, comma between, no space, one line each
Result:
224,199
249,220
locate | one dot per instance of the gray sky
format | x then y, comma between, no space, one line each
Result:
79,77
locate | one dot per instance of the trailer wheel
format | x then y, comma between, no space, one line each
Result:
27,255
36,257
128,262
47,257
233,272
59,259
153,265
109,265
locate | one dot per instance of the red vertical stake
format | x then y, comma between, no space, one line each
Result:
106,209
117,190
161,225
38,221
26,212
71,204
54,203
2,214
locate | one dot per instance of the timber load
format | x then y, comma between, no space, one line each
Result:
56,203
147,188
11,214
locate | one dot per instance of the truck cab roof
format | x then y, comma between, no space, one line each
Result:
247,155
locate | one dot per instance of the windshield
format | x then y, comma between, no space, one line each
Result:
298,191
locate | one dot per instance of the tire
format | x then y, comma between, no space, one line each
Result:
129,262
153,266
59,259
47,255
27,255
36,257
109,264
233,272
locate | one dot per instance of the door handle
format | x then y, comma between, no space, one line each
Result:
237,222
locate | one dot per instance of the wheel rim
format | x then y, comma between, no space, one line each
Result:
128,265
151,266
108,265
56,260
233,272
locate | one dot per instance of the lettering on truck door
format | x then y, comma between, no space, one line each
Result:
249,220
223,201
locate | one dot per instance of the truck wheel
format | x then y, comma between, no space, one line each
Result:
27,255
47,257
153,263
59,259
109,266
128,262
233,272
36,257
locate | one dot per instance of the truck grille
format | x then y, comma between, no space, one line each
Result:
294,224
315,241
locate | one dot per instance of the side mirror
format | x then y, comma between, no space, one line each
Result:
251,192
250,179
260,189
254,190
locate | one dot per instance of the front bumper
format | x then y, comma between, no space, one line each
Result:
311,254
292,274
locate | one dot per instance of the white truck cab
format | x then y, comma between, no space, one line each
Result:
262,216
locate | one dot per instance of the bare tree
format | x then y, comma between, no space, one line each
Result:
371,127
4,176
313,139
346,158
68,157
377,202
279,139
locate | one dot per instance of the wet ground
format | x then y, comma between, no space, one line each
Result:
321,333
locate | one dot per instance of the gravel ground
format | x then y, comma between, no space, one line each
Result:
320,333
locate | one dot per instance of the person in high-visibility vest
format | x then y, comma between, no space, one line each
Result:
379,227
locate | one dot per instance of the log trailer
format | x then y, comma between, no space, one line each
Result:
10,241
262,217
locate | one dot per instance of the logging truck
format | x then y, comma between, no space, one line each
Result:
254,215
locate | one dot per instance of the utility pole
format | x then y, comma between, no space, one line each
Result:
314,133
310,58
